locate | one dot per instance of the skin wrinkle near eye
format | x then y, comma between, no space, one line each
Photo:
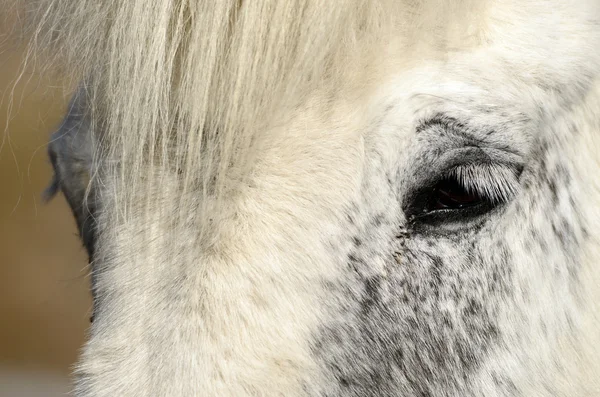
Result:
447,125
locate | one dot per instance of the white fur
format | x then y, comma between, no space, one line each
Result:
220,296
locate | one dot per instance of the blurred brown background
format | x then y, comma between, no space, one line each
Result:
44,297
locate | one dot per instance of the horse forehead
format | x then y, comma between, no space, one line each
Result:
491,88
520,52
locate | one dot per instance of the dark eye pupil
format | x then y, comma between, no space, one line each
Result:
449,194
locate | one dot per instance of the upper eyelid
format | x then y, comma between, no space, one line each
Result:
473,155
467,133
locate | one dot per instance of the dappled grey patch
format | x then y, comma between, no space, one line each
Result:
419,311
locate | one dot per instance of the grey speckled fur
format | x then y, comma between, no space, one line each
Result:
425,321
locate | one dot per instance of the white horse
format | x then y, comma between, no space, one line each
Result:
333,198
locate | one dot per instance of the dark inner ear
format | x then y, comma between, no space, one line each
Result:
70,151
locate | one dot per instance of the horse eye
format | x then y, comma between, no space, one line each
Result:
448,201
461,195
449,194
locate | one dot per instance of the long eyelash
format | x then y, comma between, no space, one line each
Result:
496,182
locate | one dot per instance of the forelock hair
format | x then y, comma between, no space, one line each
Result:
191,86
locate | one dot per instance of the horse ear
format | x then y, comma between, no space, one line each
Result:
70,151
